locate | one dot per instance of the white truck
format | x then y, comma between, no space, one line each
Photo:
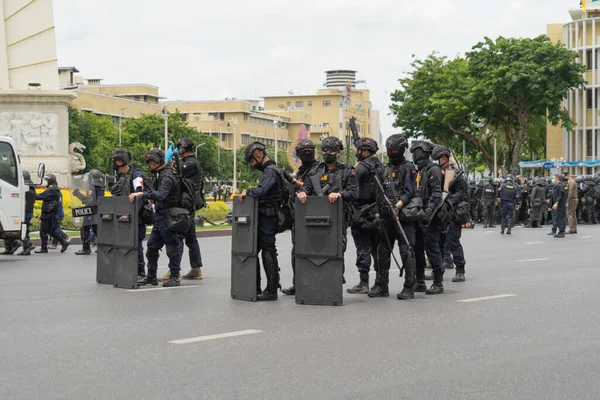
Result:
12,191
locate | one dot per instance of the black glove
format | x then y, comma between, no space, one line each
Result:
428,215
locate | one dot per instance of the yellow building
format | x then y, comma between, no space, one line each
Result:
329,110
244,118
583,36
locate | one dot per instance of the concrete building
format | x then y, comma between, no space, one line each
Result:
582,35
330,108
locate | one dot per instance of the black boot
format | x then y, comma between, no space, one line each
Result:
84,252
406,293
380,289
271,268
173,281
148,280
65,245
459,277
436,288
362,287
291,291
420,286
42,250
26,251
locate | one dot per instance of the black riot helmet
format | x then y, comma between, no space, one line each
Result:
395,146
51,180
95,178
251,148
367,144
186,143
331,144
424,145
509,177
120,155
156,156
439,152
305,151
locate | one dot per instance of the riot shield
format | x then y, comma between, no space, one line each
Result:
244,246
319,253
116,262
84,204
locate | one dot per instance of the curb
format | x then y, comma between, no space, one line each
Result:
199,234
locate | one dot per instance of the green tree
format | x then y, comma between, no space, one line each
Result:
518,81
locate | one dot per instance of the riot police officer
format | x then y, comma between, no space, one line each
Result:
269,194
192,170
130,179
429,188
488,203
49,218
29,204
364,229
477,195
507,197
95,191
560,194
334,180
305,151
399,183
538,197
166,196
457,193
589,194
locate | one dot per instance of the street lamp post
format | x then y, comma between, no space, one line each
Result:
197,147
495,156
234,122
166,117
276,123
120,130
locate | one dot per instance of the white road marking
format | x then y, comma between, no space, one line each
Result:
499,296
586,237
534,242
161,288
213,337
489,231
533,259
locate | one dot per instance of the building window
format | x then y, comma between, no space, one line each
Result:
245,117
341,125
326,125
589,103
289,104
310,103
299,104
213,116
8,165
222,116
369,129
369,113
245,139
136,98
590,59
590,150
326,103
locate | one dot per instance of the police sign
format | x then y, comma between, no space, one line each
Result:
84,211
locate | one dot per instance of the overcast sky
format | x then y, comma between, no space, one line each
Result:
211,49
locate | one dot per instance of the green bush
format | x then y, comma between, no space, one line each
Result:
215,212
66,225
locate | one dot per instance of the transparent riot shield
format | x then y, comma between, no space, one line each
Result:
244,249
84,203
319,253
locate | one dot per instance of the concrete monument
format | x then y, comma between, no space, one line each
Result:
33,111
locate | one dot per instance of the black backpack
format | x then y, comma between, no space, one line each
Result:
189,195
285,208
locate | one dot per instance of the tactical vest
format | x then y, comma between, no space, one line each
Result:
325,182
174,197
275,195
367,188
508,192
590,189
393,180
196,178
540,192
422,184
489,193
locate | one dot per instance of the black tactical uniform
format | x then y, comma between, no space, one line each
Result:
457,193
130,181
560,193
364,229
429,188
538,202
11,246
269,194
478,215
192,170
399,183
166,196
339,179
589,194
509,196
305,151
50,198
488,203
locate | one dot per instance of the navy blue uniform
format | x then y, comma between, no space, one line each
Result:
560,193
49,218
508,195
269,194
457,193
167,195
191,169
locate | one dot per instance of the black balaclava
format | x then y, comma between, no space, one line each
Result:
421,158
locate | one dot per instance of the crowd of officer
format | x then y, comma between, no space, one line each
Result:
561,202
420,206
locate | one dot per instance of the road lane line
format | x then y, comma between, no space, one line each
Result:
499,296
534,242
489,231
533,259
217,336
586,237
161,288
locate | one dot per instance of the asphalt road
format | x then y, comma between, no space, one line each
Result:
62,336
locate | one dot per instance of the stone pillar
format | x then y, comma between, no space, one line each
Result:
37,121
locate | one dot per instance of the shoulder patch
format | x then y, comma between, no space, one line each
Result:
184,166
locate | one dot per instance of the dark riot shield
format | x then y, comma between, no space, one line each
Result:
117,242
319,254
244,254
84,203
